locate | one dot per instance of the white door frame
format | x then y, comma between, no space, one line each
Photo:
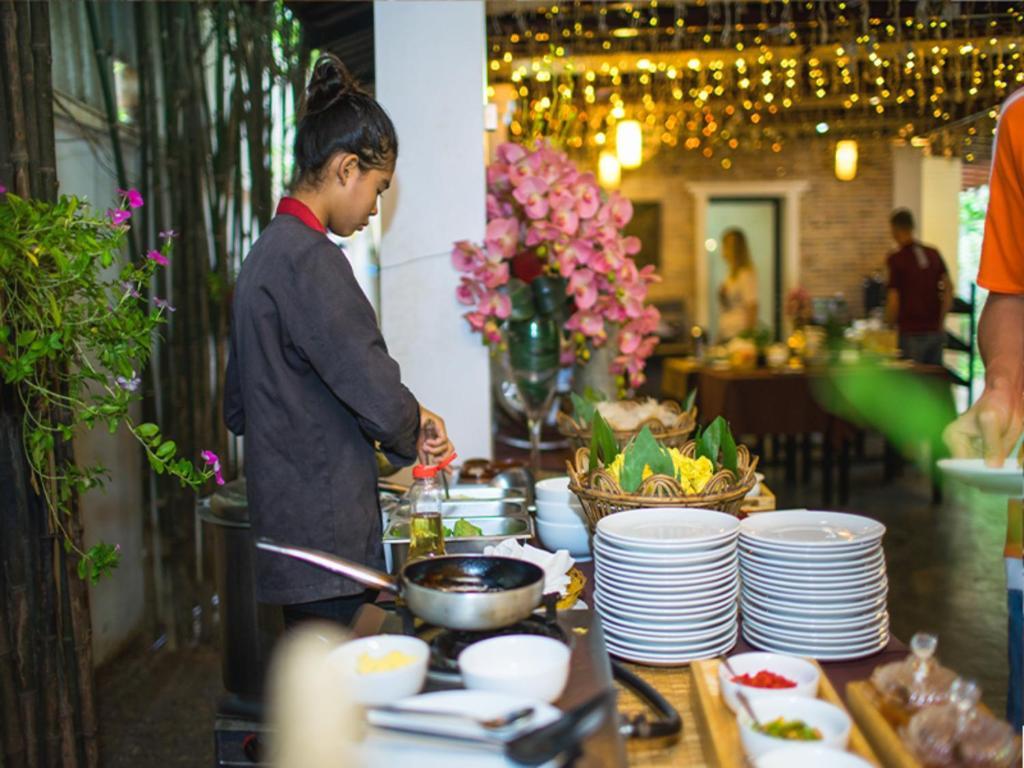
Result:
788,192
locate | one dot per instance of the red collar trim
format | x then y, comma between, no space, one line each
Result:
292,207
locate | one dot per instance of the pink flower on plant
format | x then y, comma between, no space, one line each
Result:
566,221
118,216
130,289
132,197
561,199
587,196
631,245
158,257
466,256
531,195
510,153
542,231
494,275
163,304
476,320
502,237
168,234
621,210
495,303
213,461
3,189
468,292
583,287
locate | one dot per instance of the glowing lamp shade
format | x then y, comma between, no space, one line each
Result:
846,160
629,143
609,172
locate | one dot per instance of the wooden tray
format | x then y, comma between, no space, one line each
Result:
719,732
866,710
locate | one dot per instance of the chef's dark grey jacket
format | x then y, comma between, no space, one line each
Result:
311,385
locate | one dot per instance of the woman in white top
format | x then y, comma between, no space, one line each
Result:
737,296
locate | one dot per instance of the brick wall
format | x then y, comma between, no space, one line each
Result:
844,230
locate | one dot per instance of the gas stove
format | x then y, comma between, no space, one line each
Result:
590,682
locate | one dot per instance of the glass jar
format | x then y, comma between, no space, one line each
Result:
916,682
426,529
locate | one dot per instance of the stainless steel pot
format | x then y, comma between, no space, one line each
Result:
471,592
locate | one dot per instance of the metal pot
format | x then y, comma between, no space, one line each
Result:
471,592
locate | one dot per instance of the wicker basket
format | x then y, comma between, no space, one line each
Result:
672,436
601,495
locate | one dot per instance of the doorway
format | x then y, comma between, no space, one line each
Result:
759,218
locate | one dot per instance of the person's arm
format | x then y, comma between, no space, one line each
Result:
333,325
994,423
234,411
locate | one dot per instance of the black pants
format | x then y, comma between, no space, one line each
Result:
340,610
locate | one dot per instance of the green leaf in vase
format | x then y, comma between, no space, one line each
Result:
603,447
521,296
729,458
644,451
594,395
549,294
582,409
710,441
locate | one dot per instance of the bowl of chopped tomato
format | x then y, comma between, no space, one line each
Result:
767,674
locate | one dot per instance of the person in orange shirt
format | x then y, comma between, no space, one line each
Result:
994,424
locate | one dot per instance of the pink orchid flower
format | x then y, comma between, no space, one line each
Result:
531,194
583,288
158,257
497,176
502,236
510,153
577,253
476,320
495,208
587,196
132,197
631,245
621,210
213,461
566,221
561,199
468,292
494,275
497,304
541,232
466,256
118,216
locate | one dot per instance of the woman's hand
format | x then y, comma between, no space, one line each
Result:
433,444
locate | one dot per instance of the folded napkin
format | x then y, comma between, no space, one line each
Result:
556,565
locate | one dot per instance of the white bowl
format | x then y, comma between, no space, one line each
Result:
833,723
810,757
525,665
801,672
570,536
388,686
553,489
570,513
756,490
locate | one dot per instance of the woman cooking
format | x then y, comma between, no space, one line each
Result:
309,379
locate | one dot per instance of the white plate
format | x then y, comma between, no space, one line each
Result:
623,617
676,658
812,611
701,593
661,611
385,747
794,579
820,624
807,756
810,529
666,527
818,640
821,654
801,596
698,574
701,636
810,556
698,583
1007,480
667,560
766,560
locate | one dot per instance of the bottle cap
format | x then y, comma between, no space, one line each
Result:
422,471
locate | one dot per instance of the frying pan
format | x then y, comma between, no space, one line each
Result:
472,592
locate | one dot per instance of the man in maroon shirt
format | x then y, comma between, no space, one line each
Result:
920,293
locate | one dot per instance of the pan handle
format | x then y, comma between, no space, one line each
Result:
371,577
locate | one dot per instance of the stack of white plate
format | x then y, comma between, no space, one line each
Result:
814,584
665,584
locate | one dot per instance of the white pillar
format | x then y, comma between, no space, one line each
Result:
430,63
930,188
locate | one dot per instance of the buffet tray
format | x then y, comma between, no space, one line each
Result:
717,724
865,705
764,502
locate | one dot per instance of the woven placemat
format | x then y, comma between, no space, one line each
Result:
674,683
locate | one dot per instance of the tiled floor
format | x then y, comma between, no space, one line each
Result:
945,573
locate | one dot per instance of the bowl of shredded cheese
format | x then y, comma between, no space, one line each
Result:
383,668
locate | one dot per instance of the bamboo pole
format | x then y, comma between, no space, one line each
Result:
15,100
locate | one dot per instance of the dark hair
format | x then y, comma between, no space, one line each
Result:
339,116
902,219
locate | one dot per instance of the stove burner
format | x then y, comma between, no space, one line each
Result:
447,644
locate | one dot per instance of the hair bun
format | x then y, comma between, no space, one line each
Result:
330,81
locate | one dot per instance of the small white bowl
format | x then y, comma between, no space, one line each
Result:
524,665
557,512
801,672
554,489
388,686
756,490
570,536
810,757
833,723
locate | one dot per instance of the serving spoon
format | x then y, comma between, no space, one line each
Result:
741,695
